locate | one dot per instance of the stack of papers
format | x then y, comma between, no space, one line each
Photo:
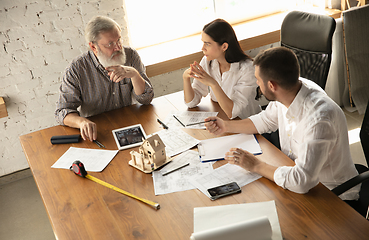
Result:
179,180
222,175
198,175
186,171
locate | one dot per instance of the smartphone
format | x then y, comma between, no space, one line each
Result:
224,190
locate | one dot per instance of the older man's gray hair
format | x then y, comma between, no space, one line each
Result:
98,25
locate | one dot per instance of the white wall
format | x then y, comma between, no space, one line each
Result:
38,40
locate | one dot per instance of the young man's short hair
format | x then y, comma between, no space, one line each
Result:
278,64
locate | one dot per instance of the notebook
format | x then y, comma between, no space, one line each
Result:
214,149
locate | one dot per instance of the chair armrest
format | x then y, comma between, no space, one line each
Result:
351,183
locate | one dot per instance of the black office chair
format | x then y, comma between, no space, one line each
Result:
362,204
310,37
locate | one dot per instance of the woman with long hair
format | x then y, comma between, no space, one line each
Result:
225,70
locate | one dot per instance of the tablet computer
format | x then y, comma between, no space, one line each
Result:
128,137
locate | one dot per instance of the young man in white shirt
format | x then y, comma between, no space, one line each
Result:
312,128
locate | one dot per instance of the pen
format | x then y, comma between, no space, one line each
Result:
175,169
99,144
179,121
164,126
213,120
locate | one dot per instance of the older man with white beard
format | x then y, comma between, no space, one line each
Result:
107,77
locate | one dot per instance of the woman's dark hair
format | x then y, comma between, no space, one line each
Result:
222,32
279,64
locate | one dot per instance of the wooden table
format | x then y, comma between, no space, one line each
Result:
81,209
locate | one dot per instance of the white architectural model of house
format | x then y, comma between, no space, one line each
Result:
151,155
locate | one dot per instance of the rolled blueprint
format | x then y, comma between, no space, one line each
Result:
254,229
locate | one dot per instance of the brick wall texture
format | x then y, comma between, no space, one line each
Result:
38,39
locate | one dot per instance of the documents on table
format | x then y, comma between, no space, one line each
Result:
176,141
259,220
182,160
94,160
180,119
179,179
214,149
222,175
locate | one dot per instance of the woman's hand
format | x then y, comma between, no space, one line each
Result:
187,74
197,72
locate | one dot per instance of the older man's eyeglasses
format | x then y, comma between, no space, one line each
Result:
112,45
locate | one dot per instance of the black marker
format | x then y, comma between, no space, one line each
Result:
99,144
164,126
179,121
175,169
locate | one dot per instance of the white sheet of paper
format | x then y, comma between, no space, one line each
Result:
179,180
215,148
94,160
206,218
222,175
253,229
176,141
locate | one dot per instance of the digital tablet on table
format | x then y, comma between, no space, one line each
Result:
128,137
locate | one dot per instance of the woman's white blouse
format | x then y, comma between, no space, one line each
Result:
239,84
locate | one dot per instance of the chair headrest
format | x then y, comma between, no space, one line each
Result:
308,31
356,9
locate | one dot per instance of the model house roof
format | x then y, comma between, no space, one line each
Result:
155,142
